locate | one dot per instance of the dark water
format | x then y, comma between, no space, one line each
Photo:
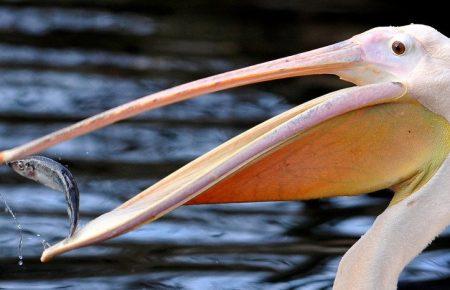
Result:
61,61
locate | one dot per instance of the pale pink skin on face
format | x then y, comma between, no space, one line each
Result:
423,67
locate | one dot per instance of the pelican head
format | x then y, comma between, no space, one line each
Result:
391,130
387,54
416,55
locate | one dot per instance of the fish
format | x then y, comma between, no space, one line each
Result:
54,175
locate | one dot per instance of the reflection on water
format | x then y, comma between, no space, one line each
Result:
62,61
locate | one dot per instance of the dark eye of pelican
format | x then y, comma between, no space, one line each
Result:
398,47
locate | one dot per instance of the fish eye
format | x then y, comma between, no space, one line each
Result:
398,47
29,167
20,165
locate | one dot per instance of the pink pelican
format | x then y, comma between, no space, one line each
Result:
391,130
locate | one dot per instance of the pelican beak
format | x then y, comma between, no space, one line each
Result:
327,60
331,59
277,160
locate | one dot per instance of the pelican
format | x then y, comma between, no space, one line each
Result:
390,130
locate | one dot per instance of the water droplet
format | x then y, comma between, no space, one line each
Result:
45,244
18,226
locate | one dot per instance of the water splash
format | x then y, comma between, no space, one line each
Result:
18,226
44,243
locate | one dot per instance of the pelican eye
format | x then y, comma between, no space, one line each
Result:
398,47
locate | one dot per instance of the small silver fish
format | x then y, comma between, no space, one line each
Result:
52,174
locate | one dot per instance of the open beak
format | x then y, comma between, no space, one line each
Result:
327,60
280,159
